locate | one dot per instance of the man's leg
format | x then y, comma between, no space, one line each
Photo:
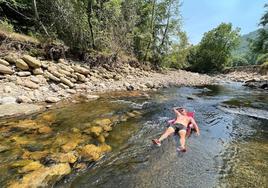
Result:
182,138
168,132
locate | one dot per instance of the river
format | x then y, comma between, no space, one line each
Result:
232,150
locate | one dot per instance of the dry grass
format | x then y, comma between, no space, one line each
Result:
18,37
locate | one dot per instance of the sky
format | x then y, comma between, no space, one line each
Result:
200,16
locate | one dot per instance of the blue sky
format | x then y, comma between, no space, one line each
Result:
200,16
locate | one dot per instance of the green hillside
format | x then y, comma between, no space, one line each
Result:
243,47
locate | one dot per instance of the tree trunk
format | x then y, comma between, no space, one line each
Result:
38,19
152,31
89,10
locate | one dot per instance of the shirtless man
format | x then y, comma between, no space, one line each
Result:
179,126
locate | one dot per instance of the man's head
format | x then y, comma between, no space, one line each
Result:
182,111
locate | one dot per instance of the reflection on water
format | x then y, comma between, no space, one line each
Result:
231,151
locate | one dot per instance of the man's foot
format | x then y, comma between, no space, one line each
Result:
181,149
156,142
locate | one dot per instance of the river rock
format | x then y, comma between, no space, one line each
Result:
23,99
63,86
93,152
7,89
11,58
38,71
35,79
30,84
35,165
64,72
31,61
43,177
80,77
67,82
96,130
36,155
4,148
44,130
7,100
21,64
80,70
21,163
51,77
4,62
67,157
69,146
101,139
71,91
55,87
102,122
24,73
5,69
52,99
18,109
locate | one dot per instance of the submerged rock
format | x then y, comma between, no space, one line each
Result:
96,130
43,177
18,109
35,165
93,152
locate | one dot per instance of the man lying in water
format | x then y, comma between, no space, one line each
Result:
179,126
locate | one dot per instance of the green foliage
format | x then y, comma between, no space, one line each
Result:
214,51
6,26
149,30
238,61
262,58
259,46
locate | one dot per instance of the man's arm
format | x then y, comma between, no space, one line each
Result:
195,126
176,111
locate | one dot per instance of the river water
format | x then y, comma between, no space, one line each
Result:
232,150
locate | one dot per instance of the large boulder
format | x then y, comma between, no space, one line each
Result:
21,64
5,69
43,177
31,61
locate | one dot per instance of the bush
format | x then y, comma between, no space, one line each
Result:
239,61
264,68
262,59
6,26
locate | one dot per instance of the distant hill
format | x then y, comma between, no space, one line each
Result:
243,47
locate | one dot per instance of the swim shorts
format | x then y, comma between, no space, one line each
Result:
178,127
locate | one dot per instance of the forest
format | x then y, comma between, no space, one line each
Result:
149,31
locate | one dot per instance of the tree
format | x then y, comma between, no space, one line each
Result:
214,51
259,46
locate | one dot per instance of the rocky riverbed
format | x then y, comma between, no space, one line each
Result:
251,79
26,79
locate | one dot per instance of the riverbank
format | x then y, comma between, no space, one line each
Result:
25,79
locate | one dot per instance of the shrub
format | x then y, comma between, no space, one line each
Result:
6,26
262,59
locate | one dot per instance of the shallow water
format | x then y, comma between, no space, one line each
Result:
232,150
